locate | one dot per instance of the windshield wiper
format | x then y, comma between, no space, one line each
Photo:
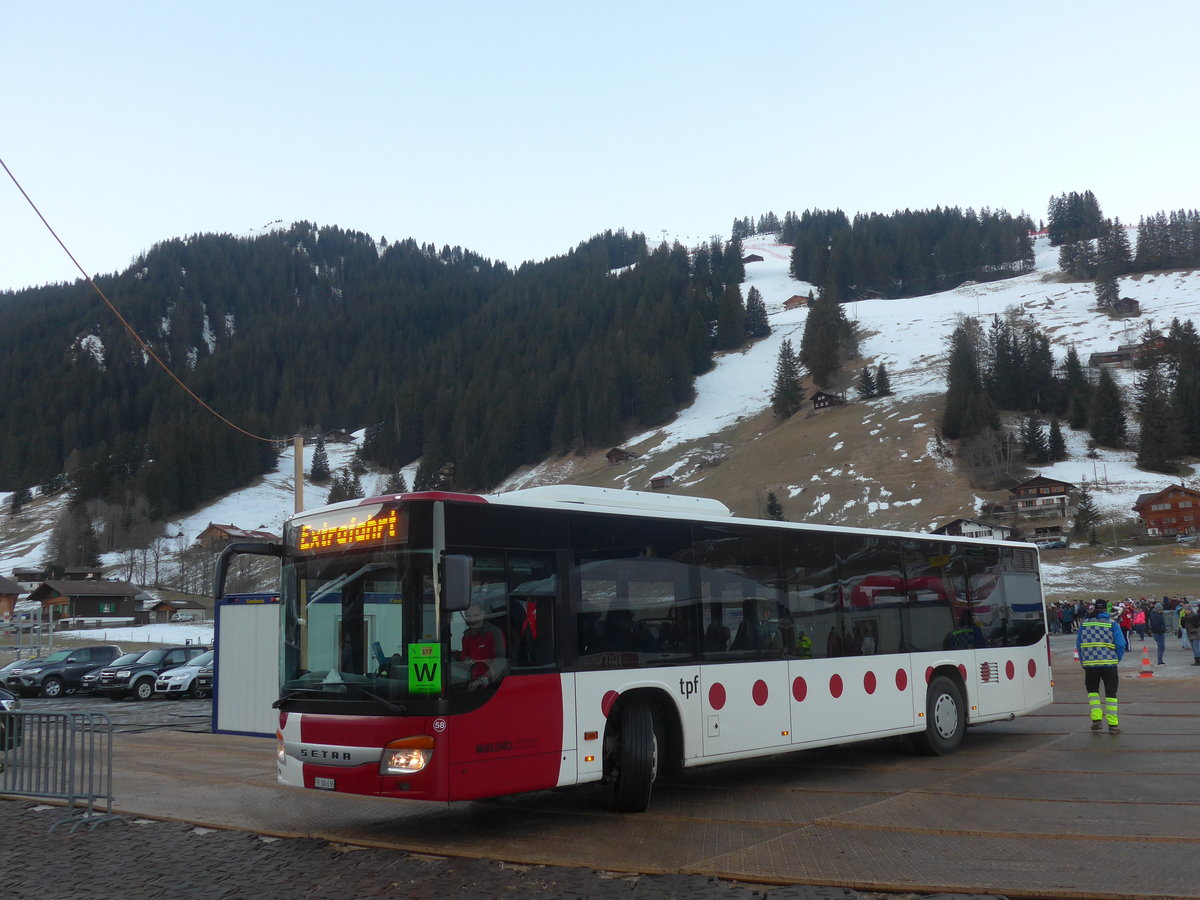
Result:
293,693
385,703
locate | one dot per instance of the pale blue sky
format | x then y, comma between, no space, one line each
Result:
519,129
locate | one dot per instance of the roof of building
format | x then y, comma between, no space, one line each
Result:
1143,499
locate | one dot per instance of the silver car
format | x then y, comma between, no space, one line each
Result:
177,683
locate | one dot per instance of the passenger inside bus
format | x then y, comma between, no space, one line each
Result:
755,631
716,636
483,648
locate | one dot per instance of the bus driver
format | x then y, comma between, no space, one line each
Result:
483,647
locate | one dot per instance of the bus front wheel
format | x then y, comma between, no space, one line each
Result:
945,719
637,757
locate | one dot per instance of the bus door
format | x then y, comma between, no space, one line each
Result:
744,680
507,732
1007,600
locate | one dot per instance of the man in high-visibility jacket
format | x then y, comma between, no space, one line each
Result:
1101,644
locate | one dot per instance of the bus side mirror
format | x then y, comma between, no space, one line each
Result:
456,582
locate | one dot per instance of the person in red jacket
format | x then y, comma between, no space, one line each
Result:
483,647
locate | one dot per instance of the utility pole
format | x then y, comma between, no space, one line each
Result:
298,447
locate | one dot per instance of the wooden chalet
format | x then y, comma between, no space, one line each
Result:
659,482
337,436
1126,307
869,295
823,400
1041,498
216,537
752,257
1173,510
619,455
973,528
160,611
1114,358
29,578
795,301
88,600
9,592
81,573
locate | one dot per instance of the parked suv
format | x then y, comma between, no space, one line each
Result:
174,684
87,684
60,672
203,685
137,678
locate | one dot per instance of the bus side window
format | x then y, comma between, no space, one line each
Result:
532,593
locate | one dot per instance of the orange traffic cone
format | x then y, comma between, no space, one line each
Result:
1146,672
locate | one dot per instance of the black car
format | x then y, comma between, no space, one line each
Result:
87,684
137,678
203,685
10,726
60,672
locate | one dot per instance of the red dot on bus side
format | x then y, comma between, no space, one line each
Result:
799,689
716,696
606,703
760,692
928,674
835,686
962,670
869,682
1010,671
901,680
1033,668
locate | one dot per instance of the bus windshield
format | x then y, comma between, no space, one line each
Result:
360,627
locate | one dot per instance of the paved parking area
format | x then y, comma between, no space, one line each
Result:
1016,813
151,859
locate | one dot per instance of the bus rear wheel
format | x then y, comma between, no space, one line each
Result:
945,719
637,757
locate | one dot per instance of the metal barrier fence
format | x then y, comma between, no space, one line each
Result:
60,756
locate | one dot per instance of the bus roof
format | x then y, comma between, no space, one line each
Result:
558,495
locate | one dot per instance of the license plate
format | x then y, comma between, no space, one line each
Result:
323,784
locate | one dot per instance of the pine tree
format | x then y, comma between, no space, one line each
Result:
1107,423
731,319
787,394
867,387
883,384
346,486
1079,391
1087,516
828,338
1058,445
320,471
966,407
756,324
774,508
1160,440
20,498
1108,292
396,484
1033,441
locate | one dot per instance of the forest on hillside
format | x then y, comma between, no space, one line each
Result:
440,354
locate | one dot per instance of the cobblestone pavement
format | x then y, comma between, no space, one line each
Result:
143,858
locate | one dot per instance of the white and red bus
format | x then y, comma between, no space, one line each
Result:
628,634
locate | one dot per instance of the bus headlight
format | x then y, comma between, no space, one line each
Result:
406,756
280,749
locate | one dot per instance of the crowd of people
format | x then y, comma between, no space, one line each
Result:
1143,617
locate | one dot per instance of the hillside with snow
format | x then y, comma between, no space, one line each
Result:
875,463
